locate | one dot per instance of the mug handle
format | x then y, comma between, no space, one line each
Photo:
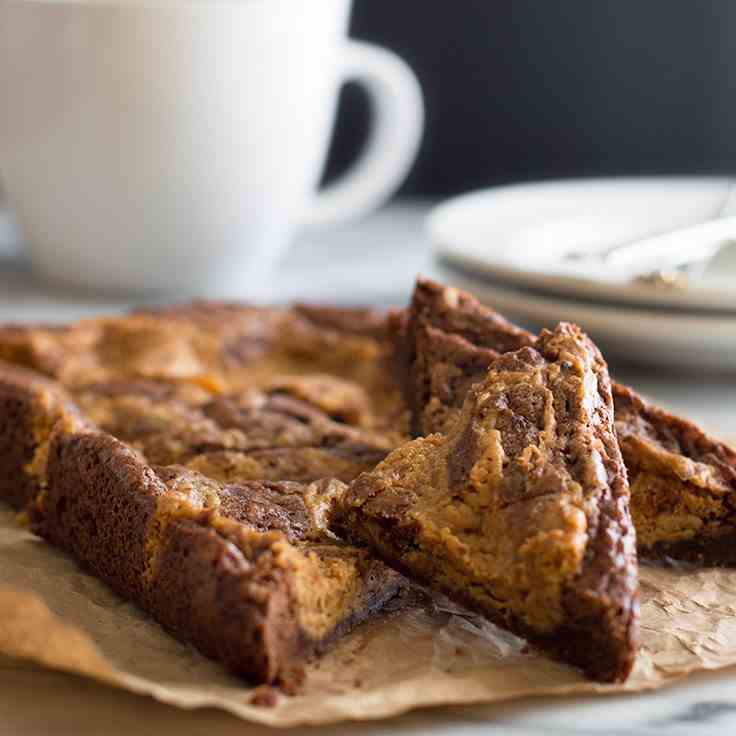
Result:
397,112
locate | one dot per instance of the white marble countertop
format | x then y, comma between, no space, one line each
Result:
372,262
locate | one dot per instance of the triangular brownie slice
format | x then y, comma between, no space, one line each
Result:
683,482
521,510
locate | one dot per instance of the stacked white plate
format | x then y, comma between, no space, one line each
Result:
528,250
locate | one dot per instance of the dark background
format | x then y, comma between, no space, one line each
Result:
526,89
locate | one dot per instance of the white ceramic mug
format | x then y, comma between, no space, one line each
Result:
175,145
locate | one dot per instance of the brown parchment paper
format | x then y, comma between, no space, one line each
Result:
55,615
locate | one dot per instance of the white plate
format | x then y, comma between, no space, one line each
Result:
520,234
626,333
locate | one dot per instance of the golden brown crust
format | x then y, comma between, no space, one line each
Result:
521,510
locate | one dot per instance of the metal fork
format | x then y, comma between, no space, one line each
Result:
677,277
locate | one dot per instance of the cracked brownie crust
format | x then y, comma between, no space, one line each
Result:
521,510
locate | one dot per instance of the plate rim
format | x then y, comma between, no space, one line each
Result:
438,225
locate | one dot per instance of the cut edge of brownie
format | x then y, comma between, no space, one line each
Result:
683,484
30,406
445,367
436,309
603,600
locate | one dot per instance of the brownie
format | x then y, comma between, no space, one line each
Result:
444,368
304,464
247,436
225,347
247,572
460,313
265,506
683,484
342,342
39,347
682,480
349,320
276,418
254,579
100,498
443,345
232,596
520,511
343,401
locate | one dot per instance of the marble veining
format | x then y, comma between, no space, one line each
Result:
376,261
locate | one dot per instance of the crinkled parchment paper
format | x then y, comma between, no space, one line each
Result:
54,614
